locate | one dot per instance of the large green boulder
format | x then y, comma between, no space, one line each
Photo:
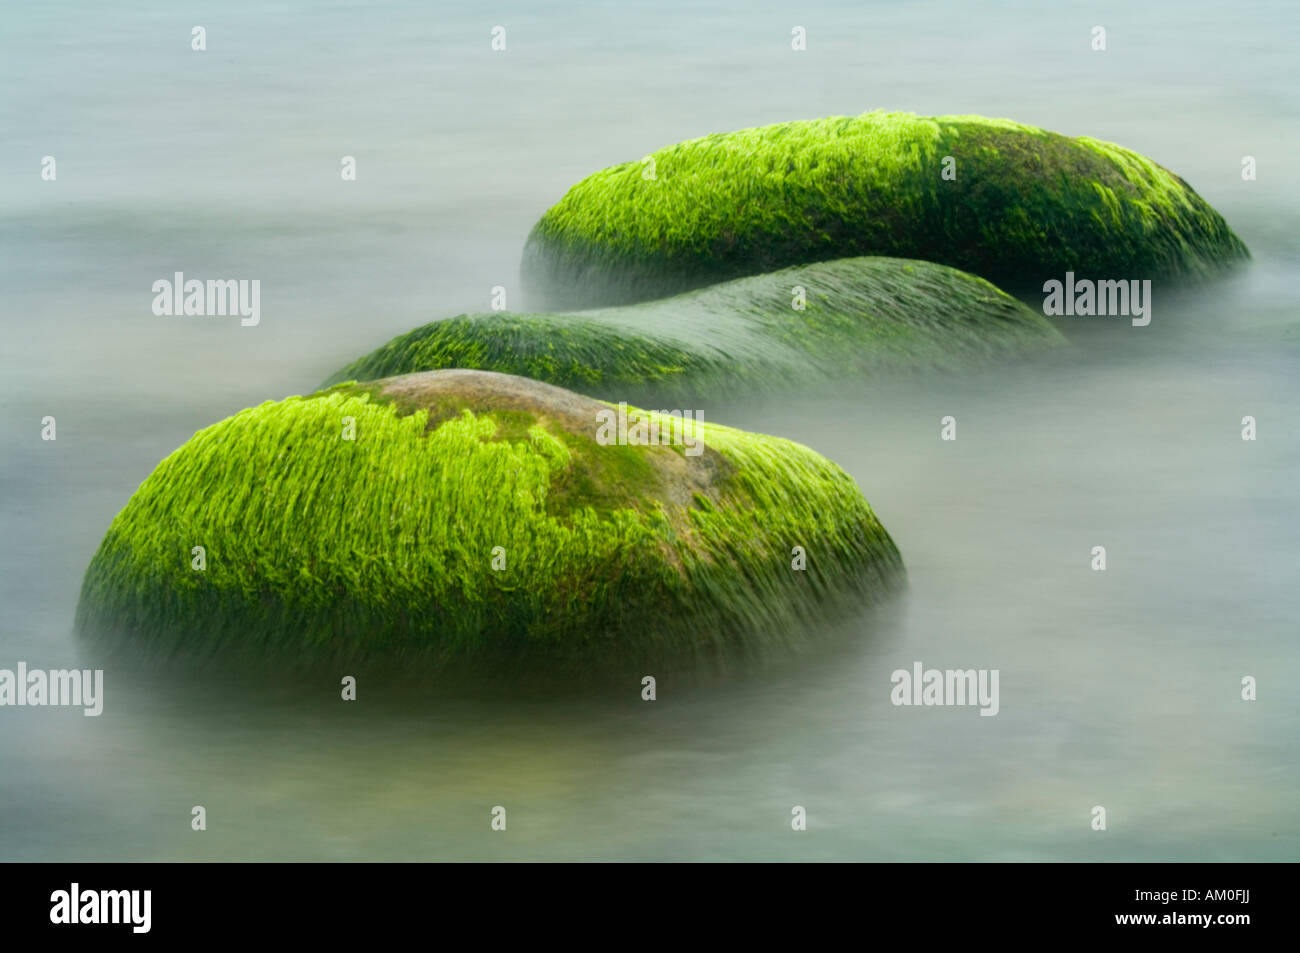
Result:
1015,204
479,517
807,328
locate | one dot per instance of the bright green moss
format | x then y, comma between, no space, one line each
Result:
1026,205
861,317
320,548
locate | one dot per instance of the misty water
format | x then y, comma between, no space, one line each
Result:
1118,688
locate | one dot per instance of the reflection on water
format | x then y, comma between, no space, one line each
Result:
1118,688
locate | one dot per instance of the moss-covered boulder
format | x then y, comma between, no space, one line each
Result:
1019,206
479,517
809,327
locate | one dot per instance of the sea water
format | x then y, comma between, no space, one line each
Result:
1118,688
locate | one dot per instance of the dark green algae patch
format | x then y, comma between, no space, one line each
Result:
861,318
1026,205
320,549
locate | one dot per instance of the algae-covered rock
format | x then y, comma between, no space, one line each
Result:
809,327
483,517
1013,203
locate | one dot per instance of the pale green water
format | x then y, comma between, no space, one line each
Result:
1119,689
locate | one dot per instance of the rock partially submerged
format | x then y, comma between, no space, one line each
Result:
1017,205
479,517
811,327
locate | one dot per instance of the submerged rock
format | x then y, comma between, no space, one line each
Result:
1015,204
809,327
480,517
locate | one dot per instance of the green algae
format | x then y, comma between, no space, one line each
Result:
860,318
320,548
1025,205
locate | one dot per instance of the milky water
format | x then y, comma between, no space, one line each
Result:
1119,689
